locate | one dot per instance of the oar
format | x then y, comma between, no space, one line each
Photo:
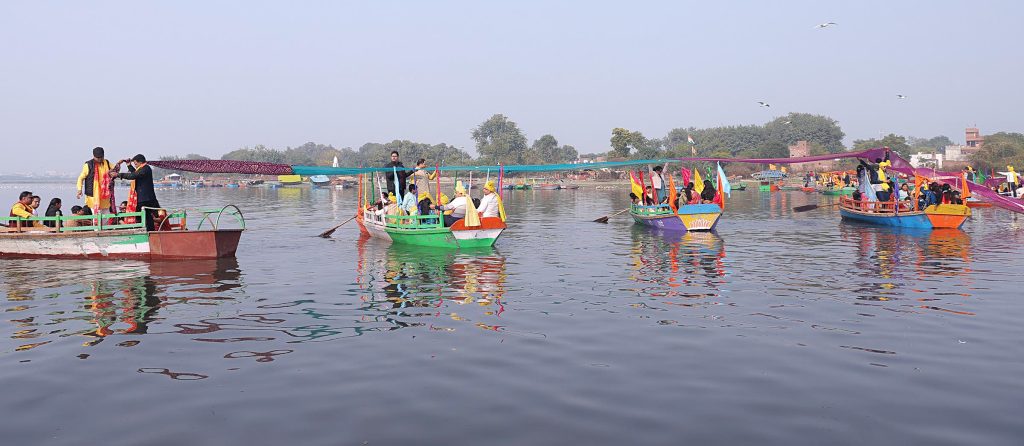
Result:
327,233
605,218
811,207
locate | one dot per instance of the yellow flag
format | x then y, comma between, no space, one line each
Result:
635,187
472,216
698,183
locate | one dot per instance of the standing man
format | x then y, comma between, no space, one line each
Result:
96,182
142,192
390,175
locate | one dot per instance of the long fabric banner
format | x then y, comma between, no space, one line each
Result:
899,164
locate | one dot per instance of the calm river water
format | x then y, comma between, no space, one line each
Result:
782,328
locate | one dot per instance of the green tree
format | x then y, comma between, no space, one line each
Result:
928,145
499,140
895,142
624,142
1000,150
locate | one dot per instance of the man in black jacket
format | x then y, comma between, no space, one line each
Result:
142,175
389,177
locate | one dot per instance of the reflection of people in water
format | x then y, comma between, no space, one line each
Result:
414,277
668,258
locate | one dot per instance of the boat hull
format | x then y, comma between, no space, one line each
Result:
455,237
942,216
127,244
692,217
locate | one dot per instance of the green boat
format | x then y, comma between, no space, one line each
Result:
840,191
428,230
740,186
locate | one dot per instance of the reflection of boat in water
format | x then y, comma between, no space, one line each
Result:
691,217
838,190
413,276
902,214
119,298
665,258
976,203
123,237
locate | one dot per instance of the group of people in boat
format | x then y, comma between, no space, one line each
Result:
657,192
96,184
408,193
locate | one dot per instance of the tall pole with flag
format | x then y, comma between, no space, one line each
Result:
693,145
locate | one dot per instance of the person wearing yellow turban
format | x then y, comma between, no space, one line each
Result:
457,206
490,204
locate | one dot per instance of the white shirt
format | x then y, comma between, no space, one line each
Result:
489,205
657,181
1011,177
457,206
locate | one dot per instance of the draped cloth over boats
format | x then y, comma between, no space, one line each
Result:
898,165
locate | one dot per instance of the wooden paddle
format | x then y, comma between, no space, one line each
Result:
327,233
605,218
811,207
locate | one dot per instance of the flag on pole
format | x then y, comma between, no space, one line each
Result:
686,176
698,182
689,139
635,186
725,187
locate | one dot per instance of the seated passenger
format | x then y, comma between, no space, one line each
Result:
489,203
649,196
35,205
53,210
410,204
904,191
23,209
633,199
457,206
79,211
708,194
856,195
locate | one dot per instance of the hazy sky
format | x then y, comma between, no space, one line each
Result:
166,78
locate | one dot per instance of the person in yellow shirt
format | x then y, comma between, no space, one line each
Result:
23,209
96,181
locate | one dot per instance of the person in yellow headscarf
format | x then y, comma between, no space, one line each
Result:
96,181
490,204
1012,181
457,206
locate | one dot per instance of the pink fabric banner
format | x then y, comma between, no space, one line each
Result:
225,166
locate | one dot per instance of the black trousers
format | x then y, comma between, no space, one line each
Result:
150,213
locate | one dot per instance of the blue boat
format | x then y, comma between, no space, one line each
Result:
320,180
902,214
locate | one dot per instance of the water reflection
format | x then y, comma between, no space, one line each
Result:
408,284
114,298
686,265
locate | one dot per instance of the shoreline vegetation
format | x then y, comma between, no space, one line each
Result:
499,140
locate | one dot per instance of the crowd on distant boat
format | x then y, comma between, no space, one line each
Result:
405,197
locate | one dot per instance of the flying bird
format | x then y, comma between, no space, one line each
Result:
763,104
826,25
900,96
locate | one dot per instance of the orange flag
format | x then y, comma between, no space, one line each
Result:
672,194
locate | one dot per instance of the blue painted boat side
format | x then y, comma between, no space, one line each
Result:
916,220
667,222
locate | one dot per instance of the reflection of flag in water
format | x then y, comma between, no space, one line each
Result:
866,191
725,186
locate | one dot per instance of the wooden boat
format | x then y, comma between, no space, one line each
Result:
103,240
571,186
976,203
808,189
427,230
548,186
320,180
741,186
691,217
508,186
289,180
838,191
767,186
790,187
902,214
172,181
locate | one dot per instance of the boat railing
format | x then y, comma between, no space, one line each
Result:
428,221
659,209
74,223
213,216
876,207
